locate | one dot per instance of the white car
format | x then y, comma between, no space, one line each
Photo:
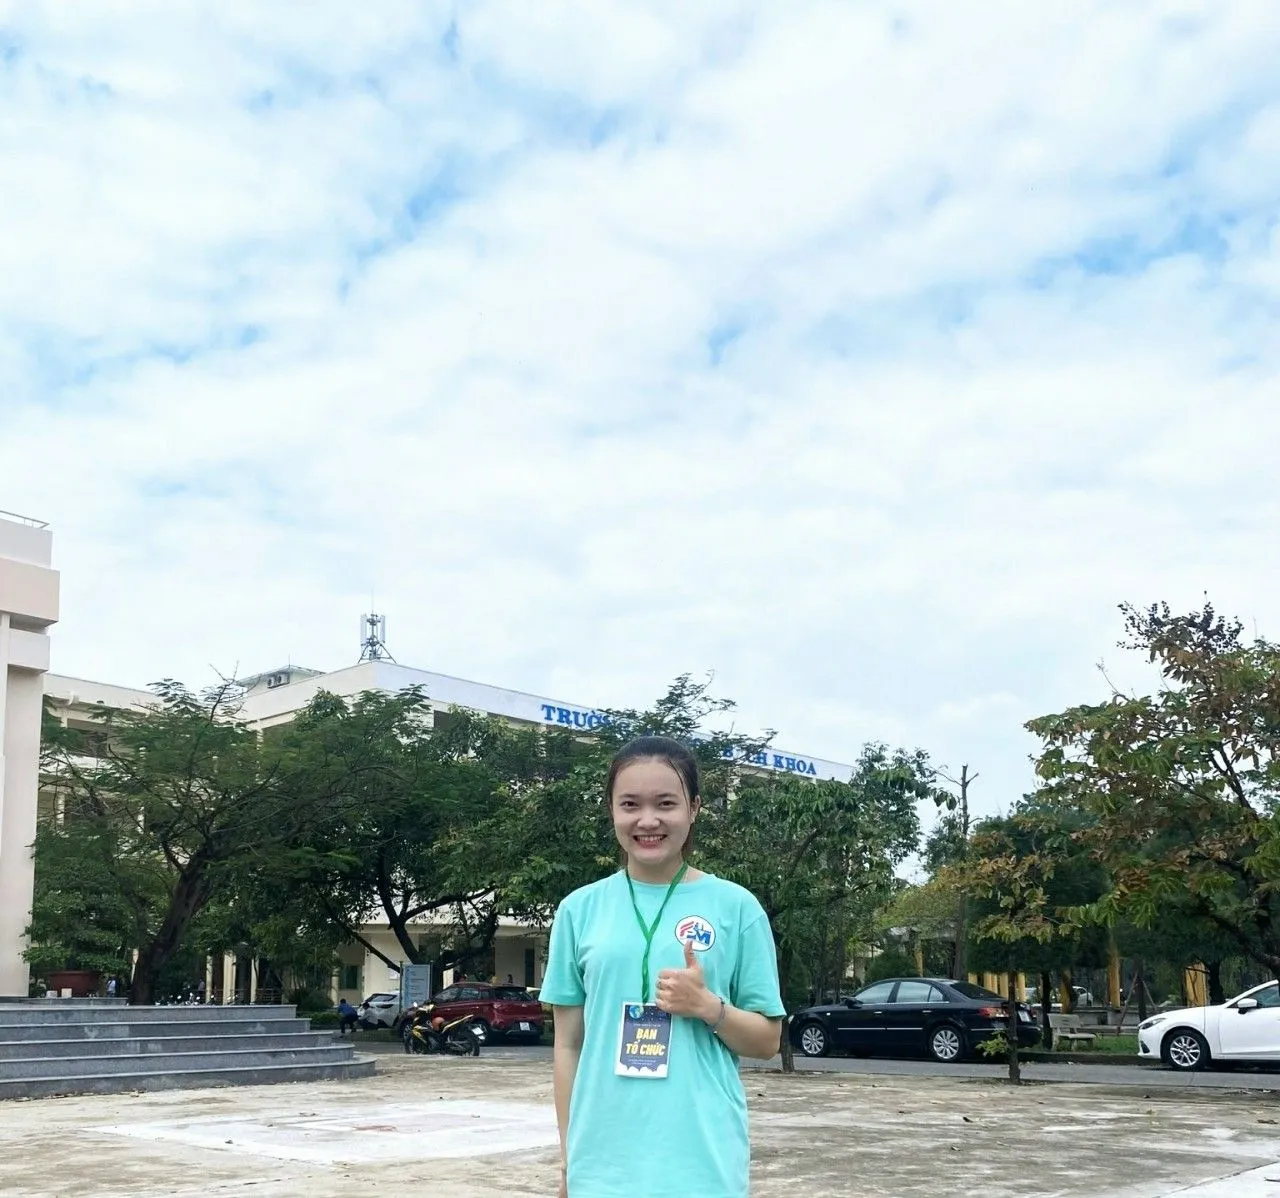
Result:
379,1010
1245,1029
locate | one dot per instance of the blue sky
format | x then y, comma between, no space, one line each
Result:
866,355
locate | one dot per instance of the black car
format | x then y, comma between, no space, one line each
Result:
905,1016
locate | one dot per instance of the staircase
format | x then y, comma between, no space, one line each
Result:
69,1046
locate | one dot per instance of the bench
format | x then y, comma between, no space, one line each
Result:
1066,1031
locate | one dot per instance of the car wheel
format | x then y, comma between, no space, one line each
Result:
1186,1050
946,1043
813,1040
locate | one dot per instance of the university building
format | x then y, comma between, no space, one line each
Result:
274,698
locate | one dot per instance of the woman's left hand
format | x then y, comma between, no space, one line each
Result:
684,991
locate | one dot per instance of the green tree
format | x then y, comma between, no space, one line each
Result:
182,798
94,890
820,853
403,843
1030,879
1180,789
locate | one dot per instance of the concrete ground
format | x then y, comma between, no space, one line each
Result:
815,1135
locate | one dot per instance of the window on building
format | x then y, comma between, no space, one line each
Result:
349,978
441,720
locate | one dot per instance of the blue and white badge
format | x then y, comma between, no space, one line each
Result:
644,1041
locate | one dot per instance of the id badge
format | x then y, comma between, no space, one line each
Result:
644,1041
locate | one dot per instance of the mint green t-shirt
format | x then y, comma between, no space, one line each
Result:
686,1133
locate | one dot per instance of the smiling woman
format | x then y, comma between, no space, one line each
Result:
648,1095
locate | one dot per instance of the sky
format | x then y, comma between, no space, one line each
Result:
864,355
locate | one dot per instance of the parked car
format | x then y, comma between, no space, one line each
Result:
501,1011
1245,1029
906,1016
379,1010
1083,998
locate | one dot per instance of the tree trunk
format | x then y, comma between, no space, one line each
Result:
1141,983
962,915
785,961
189,897
1011,1032
842,960
1217,995
1046,1009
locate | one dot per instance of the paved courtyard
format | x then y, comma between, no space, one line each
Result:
484,1128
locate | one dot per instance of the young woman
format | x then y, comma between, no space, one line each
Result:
661,976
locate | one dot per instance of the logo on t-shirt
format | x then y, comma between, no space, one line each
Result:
695,930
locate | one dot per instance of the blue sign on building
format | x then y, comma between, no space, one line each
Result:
587,719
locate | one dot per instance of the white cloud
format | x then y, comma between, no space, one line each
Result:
867,355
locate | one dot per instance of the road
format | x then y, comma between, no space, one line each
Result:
1143,1077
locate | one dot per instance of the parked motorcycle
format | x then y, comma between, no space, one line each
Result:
424,1033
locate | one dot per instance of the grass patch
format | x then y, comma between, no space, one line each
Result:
1112,1045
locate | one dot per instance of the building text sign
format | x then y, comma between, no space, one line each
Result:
587,719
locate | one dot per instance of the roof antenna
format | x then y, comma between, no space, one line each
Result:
373,639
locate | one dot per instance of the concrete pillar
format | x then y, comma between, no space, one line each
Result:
228,978
28,606
1021,996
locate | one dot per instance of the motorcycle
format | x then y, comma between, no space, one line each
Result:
423,1033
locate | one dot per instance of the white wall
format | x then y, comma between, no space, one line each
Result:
28,605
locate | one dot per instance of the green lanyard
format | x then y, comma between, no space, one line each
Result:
648,931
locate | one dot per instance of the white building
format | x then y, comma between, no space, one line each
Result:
28,606
275,697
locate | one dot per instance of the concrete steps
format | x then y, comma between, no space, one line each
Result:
136,1028
155,1045
87,1048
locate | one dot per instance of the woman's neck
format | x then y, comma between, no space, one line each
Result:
660,874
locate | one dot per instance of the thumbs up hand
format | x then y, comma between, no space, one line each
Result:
684,991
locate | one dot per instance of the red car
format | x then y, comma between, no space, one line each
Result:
502,1011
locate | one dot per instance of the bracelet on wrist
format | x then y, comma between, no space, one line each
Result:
719,1023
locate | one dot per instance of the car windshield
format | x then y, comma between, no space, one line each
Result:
380,998
969,990
514,992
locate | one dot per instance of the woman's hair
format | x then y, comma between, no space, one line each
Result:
659,748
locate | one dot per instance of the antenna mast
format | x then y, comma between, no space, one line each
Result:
373,638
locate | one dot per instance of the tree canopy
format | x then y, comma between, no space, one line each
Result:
1180,791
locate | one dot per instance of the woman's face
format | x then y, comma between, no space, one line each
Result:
651,814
